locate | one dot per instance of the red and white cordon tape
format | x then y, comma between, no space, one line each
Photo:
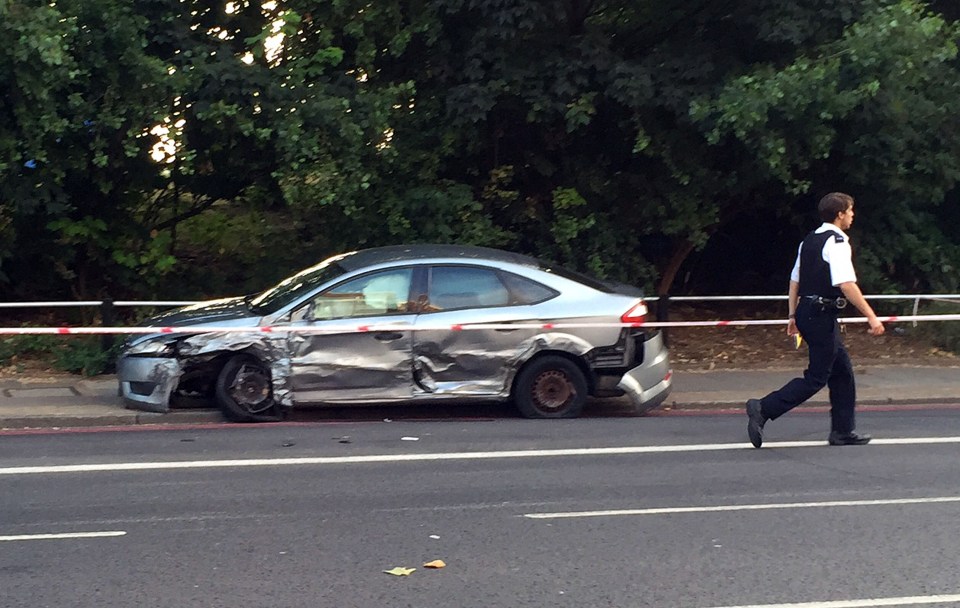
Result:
344,329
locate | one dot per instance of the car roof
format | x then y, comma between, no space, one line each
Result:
395,253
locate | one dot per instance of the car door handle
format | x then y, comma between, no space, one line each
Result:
387,336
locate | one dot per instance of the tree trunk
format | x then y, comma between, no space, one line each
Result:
680,253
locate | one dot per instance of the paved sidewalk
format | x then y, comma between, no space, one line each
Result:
72,401
876,385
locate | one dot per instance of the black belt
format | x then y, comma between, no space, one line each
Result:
837,303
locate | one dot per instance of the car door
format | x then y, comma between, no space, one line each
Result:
475,362
356,365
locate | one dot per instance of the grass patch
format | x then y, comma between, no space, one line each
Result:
83,355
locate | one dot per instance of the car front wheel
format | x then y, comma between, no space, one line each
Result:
245,392
550,387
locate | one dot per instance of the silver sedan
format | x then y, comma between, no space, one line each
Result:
405,324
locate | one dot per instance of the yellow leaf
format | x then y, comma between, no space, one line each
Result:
437,563
400,571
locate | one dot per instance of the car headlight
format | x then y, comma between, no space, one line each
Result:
153,347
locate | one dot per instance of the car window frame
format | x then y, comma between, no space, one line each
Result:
424,292
305,311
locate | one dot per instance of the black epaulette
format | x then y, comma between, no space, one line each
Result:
837,238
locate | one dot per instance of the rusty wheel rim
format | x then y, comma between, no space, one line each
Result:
552,390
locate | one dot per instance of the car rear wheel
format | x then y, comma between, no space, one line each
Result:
550,387
245,391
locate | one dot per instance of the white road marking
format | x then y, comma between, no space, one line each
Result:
863,603
758,507
375,458
64,535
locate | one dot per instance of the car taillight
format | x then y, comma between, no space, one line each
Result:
637,315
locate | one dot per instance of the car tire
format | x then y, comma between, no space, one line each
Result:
550,387
245,391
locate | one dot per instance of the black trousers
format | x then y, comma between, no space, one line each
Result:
829,366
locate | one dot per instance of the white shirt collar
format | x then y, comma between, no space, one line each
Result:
829,226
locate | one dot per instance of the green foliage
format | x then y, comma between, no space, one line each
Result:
159,148
874,110
76,354
84,355
13,348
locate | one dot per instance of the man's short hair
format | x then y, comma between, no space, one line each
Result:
833,204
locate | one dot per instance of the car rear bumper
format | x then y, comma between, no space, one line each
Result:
146,383
648,384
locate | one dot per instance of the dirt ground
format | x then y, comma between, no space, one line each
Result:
768,346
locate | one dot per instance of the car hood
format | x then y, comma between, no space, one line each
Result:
228,311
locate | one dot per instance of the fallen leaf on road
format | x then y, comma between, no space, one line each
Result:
437,563
400,571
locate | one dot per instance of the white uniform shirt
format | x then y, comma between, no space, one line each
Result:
838,255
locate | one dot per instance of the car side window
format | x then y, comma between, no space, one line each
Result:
378,293
458,287
455,287
526,291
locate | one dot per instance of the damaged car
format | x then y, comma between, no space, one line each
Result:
404,324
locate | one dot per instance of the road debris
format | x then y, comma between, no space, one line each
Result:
399,571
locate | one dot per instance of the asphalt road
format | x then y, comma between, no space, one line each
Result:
631,512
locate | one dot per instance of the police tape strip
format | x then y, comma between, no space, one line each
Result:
344,329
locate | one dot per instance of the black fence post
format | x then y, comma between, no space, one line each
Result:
663,315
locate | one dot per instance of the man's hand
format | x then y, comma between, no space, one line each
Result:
853,294
792,327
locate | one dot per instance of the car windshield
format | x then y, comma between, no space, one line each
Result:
293,288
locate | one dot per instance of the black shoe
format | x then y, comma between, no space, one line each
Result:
755,422
851,438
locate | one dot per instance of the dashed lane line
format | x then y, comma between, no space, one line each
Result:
916,600
755,507
441,456
65,535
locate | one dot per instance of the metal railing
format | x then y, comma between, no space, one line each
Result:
108,307
663,302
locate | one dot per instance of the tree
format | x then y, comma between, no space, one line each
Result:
876,109
182,146
79,95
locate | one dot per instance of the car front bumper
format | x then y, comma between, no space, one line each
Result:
648,384
146,383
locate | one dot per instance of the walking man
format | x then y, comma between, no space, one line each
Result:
822,282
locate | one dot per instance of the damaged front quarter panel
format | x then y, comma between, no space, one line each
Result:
150,383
